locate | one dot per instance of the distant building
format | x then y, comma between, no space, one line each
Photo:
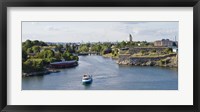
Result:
176,43
130,38
31,54
163,43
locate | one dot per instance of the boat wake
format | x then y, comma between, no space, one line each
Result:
101,76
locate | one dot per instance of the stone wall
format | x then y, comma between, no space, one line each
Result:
146,49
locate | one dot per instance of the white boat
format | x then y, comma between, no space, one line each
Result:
87,79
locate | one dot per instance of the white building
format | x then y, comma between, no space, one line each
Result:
175,49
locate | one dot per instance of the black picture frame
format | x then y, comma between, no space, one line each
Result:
99,3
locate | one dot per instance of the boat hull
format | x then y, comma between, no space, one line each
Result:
88,81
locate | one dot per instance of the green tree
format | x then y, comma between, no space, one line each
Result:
123,44
33,65
142,51
84,48
66,55
35,42
59,48
154,51
36,49
41,43
49,54
96,48
46,54
68,48
168,50
29,50
58,56
24,55
28,44
76,58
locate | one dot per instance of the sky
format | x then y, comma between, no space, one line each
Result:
99,31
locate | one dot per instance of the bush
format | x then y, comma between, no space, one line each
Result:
142,51
154,51
167,51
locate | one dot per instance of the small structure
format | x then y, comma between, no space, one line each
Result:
175,49
64,64
31,54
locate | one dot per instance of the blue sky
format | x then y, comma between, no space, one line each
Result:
98,31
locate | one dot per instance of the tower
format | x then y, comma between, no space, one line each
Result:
130,38
175,38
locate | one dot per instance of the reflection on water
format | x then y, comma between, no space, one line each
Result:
87,86
107,75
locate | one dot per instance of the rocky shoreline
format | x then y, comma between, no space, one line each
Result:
114,58
164,61
40,73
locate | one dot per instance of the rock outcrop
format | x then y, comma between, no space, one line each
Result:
170,60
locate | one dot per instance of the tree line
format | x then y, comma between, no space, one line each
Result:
37,54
